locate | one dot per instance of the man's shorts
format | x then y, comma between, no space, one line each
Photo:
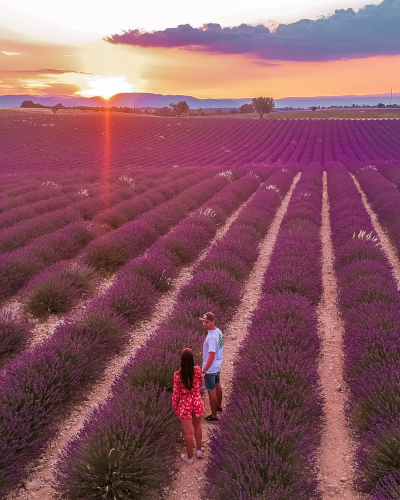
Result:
210,380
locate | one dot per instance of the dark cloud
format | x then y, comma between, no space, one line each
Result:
50,71
373,30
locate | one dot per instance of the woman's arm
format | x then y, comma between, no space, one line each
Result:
176,394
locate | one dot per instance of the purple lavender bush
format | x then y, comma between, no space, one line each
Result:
153,365
132,297
38,384
216,285
14,335
369,300
57,289
127,450
280,416
17,268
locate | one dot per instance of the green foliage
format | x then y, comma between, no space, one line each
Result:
180,108
263,105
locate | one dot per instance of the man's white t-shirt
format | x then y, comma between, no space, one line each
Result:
213,343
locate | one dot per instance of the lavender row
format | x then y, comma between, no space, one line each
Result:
57,288
22,233
369,303
110,252
266,442
38,384
384,199
35,196
142,463
18,267
88,199
392,173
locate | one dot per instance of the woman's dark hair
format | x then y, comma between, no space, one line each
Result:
186,371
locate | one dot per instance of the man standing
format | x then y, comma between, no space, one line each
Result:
212,360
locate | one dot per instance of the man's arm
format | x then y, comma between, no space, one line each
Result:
211,357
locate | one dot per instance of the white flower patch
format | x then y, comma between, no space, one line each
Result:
126,178
363,235
50,184
208,212
226,173
368,167
303,194
253,174
271,186
83,192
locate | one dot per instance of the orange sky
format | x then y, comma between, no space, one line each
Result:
209,75
174,71
177,71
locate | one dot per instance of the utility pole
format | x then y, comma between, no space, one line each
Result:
391,94
134,103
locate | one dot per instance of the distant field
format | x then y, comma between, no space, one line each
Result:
40,141
320,114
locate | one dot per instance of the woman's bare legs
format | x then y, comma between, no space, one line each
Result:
188,430
197,431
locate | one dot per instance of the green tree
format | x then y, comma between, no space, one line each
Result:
180,108
247,108
263,105
56,107
381,105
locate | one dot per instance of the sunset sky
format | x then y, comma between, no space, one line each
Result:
213,48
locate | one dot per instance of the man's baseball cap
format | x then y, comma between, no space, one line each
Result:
208,317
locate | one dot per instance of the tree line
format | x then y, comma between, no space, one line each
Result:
260,105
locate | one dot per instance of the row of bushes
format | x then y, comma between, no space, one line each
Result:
392,173
18,267
35,198
127,210
267,440
25,231
369,302
138,423
58,288
111,251
38,384
384,199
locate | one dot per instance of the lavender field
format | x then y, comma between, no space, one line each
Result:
117,233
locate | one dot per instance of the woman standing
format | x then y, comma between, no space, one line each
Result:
187,402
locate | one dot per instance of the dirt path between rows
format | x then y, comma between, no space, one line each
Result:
387,246
190,478
38,484
335,461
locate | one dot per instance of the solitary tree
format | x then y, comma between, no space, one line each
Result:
381,105
56,107
180,108
263,105
313,108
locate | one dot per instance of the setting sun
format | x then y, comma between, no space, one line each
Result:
106,86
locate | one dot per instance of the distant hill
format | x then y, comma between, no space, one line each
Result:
345,100
144,100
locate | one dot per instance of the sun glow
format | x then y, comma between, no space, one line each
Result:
106,86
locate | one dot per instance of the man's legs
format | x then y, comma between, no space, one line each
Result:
213,402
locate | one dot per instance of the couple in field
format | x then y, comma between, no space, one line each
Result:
186,398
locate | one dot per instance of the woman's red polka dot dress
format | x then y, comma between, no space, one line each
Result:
188,404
